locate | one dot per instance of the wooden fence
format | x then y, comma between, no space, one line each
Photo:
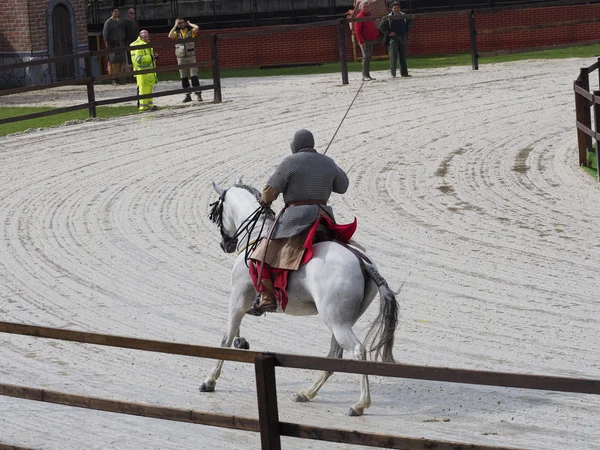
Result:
90,79
585,102
268,424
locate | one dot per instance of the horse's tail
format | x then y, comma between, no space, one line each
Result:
380,337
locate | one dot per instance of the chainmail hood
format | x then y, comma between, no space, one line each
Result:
302,139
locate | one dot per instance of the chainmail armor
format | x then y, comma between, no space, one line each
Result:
306,175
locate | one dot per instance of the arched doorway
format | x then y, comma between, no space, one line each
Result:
62,41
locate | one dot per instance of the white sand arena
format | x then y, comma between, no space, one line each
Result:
466,187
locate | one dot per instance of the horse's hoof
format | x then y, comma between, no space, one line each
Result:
354,413
241,343
299,397
207,387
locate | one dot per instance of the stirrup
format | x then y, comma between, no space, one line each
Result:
255,311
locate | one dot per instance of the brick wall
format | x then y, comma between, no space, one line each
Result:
428,36
549,36
293,47
14,26
451,34
24,28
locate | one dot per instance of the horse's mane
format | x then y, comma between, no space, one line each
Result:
250,189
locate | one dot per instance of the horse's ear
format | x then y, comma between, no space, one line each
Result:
239,181
218,189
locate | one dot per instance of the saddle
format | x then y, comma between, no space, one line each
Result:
322,231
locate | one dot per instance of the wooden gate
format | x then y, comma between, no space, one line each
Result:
62,41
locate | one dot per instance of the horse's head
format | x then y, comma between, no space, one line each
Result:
231,210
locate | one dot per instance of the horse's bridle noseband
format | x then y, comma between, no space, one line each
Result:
229,243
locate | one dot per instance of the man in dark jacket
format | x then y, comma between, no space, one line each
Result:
366,35
114,37
131,29
396,33
306,179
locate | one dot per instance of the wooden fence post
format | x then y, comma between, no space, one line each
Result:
342,45
580,134
596,107
266,390
586,106
473,37
214,54
90,86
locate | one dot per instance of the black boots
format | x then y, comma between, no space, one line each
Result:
267,302
196,83
185,83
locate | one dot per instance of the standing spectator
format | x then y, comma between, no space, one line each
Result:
366,34
144,59
396,34
131,28
114,37
186,54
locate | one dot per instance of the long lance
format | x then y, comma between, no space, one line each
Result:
342,121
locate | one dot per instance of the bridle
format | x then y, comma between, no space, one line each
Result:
230,243
216,216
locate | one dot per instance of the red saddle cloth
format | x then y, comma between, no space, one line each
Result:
339,232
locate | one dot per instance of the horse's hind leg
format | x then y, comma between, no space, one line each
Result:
349,342
235,318
335,351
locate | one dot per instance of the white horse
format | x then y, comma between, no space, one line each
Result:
334,284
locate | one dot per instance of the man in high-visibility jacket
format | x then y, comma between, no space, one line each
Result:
144,59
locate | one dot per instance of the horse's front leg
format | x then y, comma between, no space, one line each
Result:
349,342
335,351
235,318
241,299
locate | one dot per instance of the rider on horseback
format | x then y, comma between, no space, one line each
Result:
306,179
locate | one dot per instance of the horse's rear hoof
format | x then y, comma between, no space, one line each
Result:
241,343
299,397
354,413
207,387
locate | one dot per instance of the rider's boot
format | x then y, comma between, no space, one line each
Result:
267,303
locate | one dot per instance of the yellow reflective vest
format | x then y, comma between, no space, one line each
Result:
143,59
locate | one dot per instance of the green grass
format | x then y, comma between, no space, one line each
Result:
414,62
333,67
57,119
592,164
